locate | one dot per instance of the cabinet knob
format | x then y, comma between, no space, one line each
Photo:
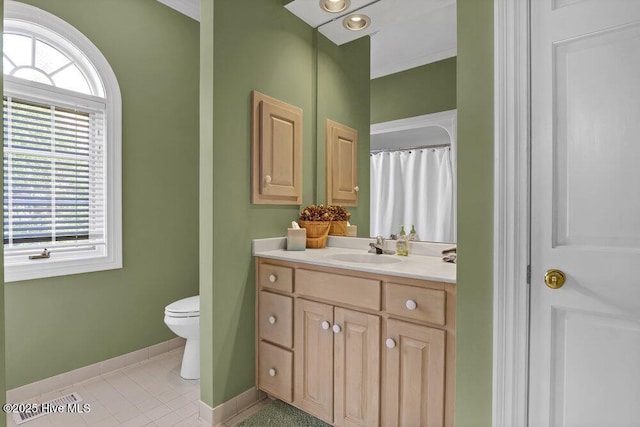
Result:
390,343
356,188
272,278
325,325
267,179
336,329
272,319
411,304
272,372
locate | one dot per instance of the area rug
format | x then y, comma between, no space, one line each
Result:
279,414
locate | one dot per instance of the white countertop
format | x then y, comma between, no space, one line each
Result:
423,262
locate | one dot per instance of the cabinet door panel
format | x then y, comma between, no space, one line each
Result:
351,290
429,304
313,390
275,318
414,376
357,369
274,371
276,151
276,277
342,164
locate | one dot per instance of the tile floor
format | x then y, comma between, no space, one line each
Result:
149,393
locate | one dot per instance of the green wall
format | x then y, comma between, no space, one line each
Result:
422,90
276,57
343,95
475,213
59,324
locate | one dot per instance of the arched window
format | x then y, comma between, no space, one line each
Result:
62,149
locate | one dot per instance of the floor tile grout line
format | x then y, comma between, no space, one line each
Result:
166,366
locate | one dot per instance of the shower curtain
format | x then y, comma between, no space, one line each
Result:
413,187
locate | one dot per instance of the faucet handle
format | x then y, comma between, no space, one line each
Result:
379,240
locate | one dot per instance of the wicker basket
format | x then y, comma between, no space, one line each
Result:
317,232
338,228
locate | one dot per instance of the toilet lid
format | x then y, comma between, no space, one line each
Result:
186,307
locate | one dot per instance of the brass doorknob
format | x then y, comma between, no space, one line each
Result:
554,278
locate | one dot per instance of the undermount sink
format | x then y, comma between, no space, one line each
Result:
365,258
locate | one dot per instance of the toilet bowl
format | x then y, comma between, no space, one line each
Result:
183,318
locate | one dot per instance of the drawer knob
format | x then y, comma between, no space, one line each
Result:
272,319
272,278
272,372
337,329
411,304
267,179
390,343
356,188
325,325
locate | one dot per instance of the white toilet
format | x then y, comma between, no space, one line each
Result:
183,318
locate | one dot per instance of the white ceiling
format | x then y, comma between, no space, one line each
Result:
191,8
404,33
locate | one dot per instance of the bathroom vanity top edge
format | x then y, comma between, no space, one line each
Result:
413,266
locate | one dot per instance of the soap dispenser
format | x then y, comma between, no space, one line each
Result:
413,236
402,247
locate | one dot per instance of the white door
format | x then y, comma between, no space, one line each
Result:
585,336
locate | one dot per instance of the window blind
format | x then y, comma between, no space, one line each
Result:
54,177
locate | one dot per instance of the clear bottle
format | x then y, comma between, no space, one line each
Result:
402,246
413,236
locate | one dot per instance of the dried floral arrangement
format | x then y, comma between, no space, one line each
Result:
324,213
338,213
315,213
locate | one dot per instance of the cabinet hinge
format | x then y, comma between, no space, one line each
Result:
528,274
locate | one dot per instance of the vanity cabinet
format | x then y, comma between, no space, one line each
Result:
355,348
337,364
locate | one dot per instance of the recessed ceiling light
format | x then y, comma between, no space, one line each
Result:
335,6
356,22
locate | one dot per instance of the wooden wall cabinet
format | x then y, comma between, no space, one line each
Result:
276,151
342,164
354,348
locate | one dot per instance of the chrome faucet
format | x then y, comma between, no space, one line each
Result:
378,247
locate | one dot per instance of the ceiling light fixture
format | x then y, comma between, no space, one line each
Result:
356,22
335,6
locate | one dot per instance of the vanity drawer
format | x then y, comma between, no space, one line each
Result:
275,371
276,277
341,289
275,318
427,305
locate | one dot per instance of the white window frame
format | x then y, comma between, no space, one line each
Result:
18,268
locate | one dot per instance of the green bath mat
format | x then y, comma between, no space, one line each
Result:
279,414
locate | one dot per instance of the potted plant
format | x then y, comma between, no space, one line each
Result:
339,218
316,219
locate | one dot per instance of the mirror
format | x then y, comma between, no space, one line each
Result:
400,67
413,171
343,96
410,43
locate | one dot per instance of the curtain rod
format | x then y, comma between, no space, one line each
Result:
420,147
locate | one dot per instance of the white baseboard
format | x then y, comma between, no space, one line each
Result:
67,379
232,407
